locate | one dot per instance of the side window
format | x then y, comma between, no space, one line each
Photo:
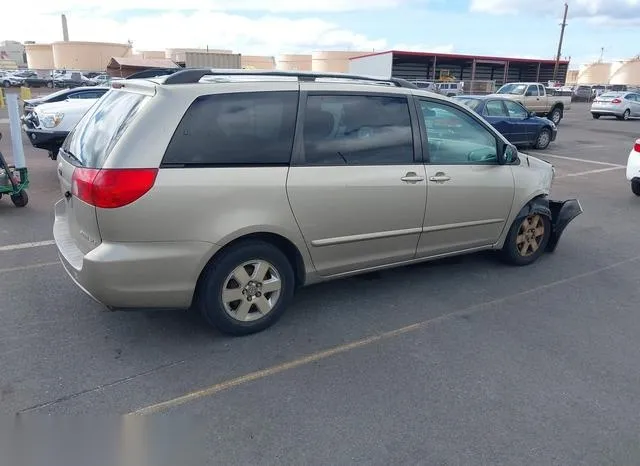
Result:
494,108
357,130
75,95
541,90
532,91
251,129
515,110
455,138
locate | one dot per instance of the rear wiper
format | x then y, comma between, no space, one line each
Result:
72,156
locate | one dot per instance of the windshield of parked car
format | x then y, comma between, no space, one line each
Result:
473,104
514,89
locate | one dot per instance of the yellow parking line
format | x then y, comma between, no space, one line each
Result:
252,376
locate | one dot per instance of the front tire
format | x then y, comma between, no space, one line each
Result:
544,139
246,289
595,116
527,240
635,187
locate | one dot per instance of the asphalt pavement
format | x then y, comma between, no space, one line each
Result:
458,362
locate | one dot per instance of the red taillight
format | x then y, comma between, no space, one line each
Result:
636,146
616,101
112,188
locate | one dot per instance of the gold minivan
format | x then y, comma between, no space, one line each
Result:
227,190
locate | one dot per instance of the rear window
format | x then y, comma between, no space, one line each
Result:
246,129
93,138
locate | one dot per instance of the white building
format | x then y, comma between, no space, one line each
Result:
14,51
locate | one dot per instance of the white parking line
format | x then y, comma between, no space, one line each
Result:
589,172
37,244
574,159
4,121
28,267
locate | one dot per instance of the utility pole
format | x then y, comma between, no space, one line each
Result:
562,26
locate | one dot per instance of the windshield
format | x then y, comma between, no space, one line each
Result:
514,89
93,138
473,104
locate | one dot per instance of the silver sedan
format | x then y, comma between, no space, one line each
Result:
622,105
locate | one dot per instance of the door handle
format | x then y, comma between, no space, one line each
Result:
412,177
439,177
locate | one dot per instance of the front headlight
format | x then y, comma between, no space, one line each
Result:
51,120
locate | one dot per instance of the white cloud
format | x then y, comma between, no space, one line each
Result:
62,6
264,35
602,12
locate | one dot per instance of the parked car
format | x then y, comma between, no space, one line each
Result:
64,94
427,86
633,168
71,79
583,94
245,198
39,81
48,124
11,80
450,89
622,105
516,123
535,98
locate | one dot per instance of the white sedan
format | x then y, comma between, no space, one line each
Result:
633,168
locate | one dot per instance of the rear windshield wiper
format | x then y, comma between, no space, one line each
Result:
72,156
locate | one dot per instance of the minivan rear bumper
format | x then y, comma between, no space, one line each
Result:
158,275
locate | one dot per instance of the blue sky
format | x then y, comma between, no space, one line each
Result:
528,28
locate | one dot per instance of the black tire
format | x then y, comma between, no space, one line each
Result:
209,293
49,84
635,187
6,84
555,115
21,199
595,116
543,140
626,115
511,252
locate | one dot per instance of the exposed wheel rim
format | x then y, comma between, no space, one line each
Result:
556,116
530,235
251,290
626,114
544,139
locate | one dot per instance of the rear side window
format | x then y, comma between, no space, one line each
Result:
357,130
254,128
93,138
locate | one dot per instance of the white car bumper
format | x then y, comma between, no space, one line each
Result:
633,165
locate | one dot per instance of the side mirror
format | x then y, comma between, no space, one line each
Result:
532,115
508,155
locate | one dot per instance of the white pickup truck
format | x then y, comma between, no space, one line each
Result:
48,125
550,103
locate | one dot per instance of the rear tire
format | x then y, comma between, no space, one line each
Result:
556,115
544,139
527,240
595,116
635,187
21,199
231,294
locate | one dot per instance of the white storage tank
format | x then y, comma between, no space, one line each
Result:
594,73
294,62
333,61
628,73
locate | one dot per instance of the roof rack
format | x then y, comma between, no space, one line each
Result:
191,76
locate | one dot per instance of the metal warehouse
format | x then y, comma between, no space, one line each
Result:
425,66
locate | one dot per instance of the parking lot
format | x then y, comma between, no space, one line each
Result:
461,361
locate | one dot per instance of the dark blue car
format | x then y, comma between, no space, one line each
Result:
514,121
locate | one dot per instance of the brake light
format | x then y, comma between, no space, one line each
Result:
616,101
636,146
112,188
